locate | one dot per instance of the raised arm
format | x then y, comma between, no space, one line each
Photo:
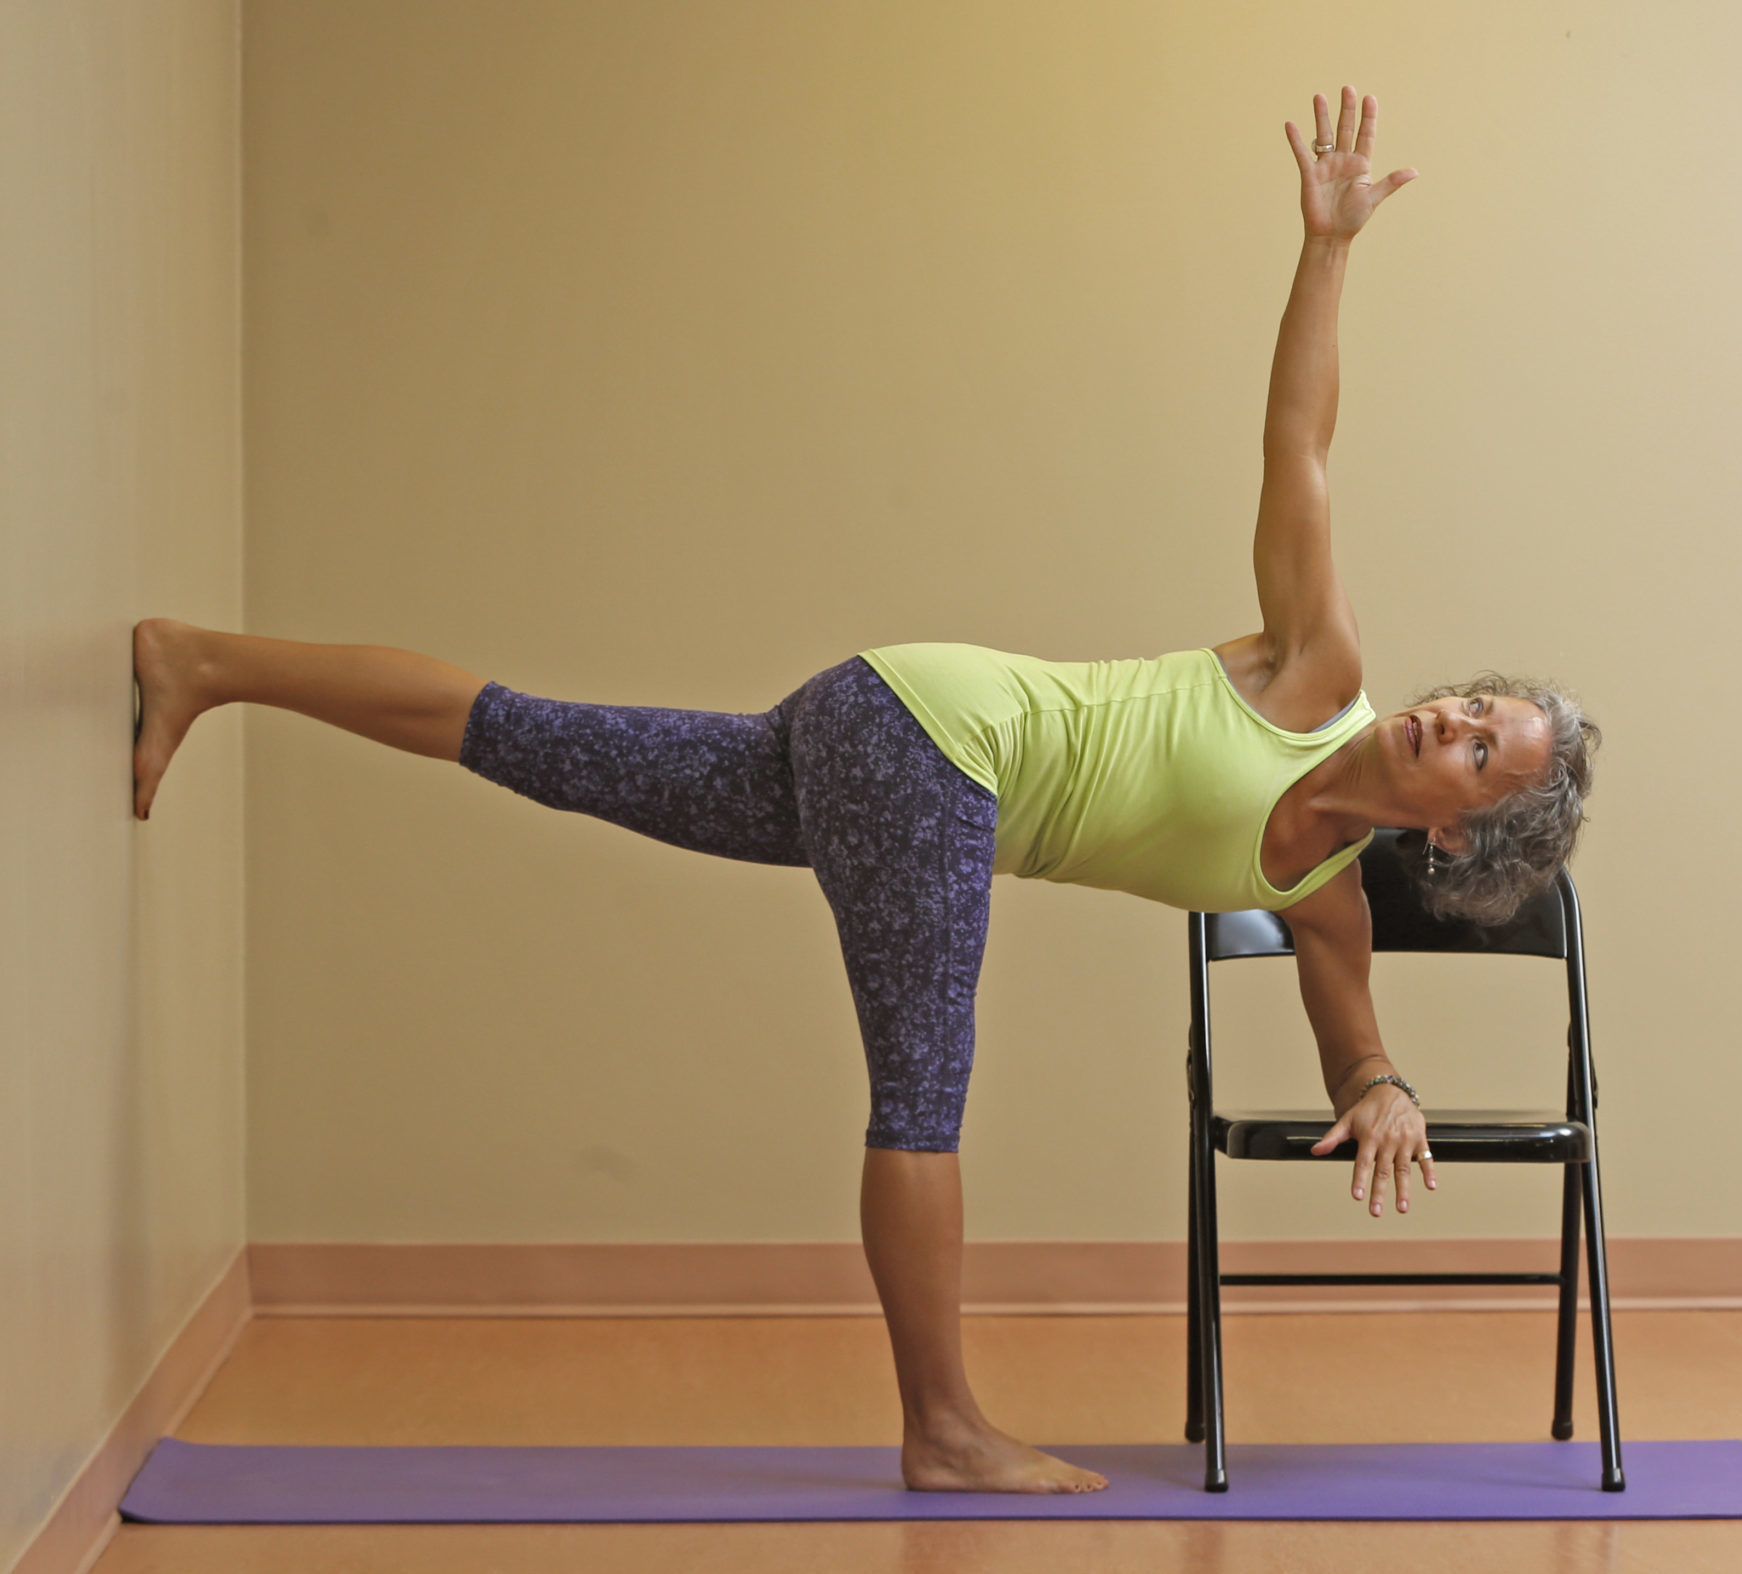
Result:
1306,612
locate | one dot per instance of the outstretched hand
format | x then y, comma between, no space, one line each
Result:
1337,190
1390,1134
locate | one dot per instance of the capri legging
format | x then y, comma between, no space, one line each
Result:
838,777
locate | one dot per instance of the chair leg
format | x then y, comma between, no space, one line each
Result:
1209,1307
1567,1328
1608,1420
1194,1348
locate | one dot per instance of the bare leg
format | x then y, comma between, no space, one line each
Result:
393,696
911,1214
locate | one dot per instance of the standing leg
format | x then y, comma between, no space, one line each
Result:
902,842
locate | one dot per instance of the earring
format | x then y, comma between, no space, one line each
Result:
1433,858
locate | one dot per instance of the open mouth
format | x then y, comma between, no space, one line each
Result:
1412,731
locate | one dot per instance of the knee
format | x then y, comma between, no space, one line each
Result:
917,1099
913,1138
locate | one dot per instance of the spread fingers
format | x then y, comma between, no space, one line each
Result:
1381,1178
1369,126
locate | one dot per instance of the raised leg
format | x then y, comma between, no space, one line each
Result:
911,1215
396,697
715,782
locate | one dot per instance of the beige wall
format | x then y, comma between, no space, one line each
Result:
666,353
120,946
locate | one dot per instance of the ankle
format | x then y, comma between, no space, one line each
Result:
200,658
944,1423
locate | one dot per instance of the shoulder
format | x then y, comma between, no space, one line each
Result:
1336,911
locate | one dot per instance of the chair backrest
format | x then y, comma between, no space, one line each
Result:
1547,926
1400,923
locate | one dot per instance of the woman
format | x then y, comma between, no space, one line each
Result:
905,777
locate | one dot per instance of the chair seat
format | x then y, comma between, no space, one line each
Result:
1455,1135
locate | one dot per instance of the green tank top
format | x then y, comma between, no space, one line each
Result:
1151,776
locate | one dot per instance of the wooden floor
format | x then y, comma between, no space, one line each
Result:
1054,1380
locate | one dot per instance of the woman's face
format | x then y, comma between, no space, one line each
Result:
1446,757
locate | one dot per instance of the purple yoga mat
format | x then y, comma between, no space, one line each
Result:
213,1484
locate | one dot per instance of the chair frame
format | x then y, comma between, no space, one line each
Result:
1548,927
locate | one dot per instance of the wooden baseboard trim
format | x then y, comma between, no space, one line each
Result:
85,1519
1016,1278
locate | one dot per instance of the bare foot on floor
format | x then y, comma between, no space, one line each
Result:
986,1460
164,666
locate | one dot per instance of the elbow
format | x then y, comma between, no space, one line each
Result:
1295,441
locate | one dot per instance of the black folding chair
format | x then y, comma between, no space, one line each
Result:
1546,927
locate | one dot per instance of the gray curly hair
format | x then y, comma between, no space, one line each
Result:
1517,845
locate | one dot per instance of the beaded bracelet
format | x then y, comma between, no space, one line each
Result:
1396,1082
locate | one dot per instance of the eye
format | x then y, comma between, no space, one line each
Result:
1478,706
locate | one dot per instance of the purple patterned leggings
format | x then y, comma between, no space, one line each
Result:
839,778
